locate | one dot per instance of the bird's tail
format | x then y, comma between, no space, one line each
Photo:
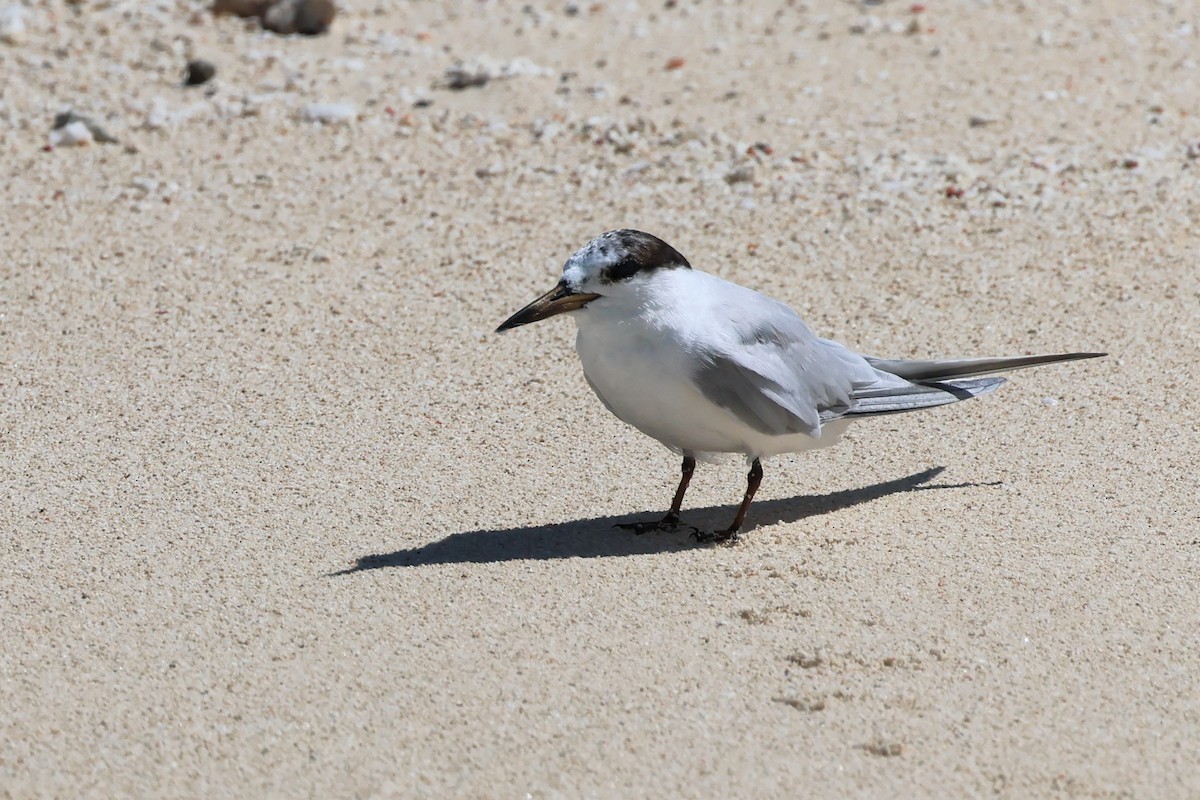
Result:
937,382
946,368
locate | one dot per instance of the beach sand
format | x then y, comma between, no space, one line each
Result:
284,517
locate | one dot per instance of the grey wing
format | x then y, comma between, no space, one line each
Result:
753,398
777,377
935,382
870,401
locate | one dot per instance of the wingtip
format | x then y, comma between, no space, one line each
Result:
1082,356
1058,357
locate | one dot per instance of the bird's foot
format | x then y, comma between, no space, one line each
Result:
669,523
726,536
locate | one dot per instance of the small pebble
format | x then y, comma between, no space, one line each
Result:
866,25
306,17
465,75
329,113
12,25
240,8
74,134
199,72
884,749
461,77
740,174
95,129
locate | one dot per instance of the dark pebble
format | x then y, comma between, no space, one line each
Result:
199,72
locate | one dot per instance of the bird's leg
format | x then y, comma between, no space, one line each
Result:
688,467
730,534
671,520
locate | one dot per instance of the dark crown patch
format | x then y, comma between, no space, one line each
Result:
643,253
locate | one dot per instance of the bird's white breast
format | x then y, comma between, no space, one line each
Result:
639,354
643,377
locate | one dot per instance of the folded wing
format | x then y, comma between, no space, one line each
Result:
778,378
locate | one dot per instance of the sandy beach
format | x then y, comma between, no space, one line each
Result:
283,517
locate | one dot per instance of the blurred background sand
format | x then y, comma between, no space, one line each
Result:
283,517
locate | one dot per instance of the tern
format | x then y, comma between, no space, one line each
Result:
708,367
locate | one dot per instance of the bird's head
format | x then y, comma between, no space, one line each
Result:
601,267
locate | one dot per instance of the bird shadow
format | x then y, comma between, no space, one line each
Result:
597,538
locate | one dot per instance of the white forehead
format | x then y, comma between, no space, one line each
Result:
605,250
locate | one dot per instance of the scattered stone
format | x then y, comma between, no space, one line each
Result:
12,25
156,118
329,113
306,17
241,8
977,121
490,171
675,63
96,130
802,704
74,134
743,173
461,77
883,748
144,185
866,25
199,72
806,660
466,75
545,130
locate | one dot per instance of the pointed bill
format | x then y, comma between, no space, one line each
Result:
558,300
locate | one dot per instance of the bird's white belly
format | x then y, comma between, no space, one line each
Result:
645,380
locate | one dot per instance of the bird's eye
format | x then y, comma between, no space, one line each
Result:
623,269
